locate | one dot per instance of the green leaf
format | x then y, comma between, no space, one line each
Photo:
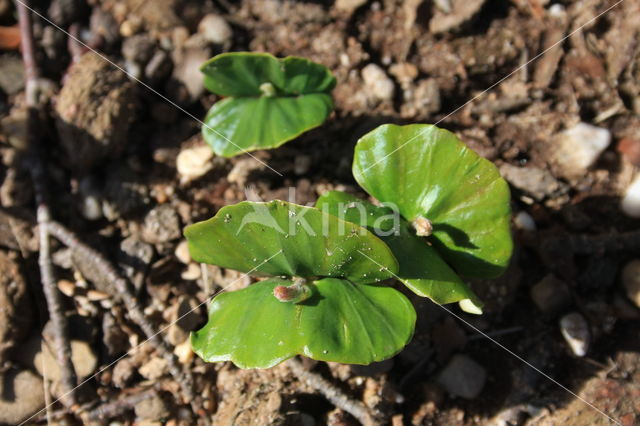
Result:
271,100
422,269
280,238
428,172
341,322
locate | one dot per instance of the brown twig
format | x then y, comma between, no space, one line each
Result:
36,153
119,407
122,290
337,397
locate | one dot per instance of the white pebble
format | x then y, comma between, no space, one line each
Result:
215,29
630,203
378,84
575,330
182,252
194,162
578,148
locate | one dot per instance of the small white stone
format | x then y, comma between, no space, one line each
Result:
630,203
575,330
524,221
192,272
194,162
215,29
184,352
631,281
578,148
182,252
378,84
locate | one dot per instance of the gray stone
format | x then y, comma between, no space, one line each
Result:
134,258
22,396
161,225
538,183
463,377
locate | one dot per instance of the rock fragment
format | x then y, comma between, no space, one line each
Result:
378,85
578,148
575,330
463,377
154,368
538,183
194,162
215,29
161,225
550,294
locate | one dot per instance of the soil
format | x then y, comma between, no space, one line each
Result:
112,145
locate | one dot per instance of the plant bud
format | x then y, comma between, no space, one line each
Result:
423,226
294,293
267,89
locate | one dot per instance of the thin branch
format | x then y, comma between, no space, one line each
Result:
36,152
122,290
337,397
118,407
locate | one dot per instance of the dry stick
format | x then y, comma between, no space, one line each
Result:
120,406
36,152
121,290
338,398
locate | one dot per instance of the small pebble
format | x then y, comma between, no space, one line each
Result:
550,294
194,162
579,147
463,377
184,352
192,272
66,287
523,221
377,83
215,29
182,252
575,330
154,368
630,203
631,281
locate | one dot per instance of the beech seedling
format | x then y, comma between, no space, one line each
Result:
442,215
266,102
